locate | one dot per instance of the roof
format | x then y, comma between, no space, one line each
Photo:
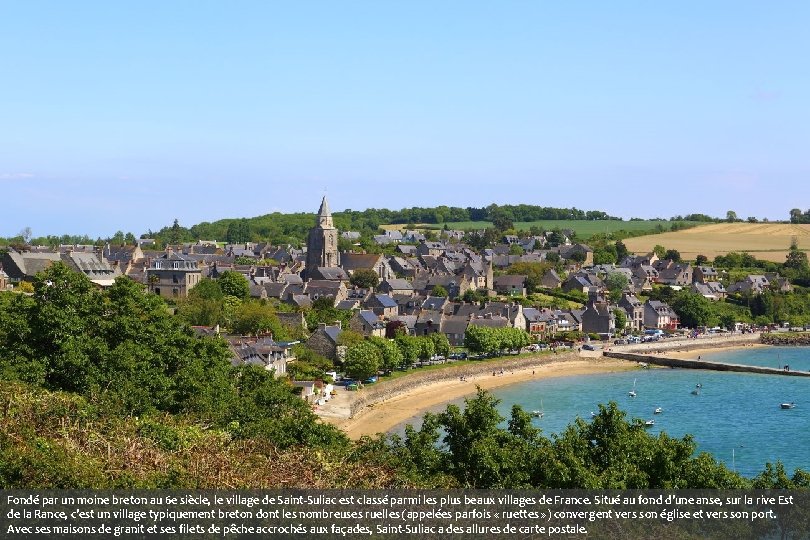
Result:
324,209
386,301
332,273
398,284
510,280
434,303
454,324
355,261
370,318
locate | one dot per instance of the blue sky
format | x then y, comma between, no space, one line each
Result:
127,115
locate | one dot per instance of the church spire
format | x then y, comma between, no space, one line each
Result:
325,215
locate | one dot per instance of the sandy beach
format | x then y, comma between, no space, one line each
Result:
385,415
380,408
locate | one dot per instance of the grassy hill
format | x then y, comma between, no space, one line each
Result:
583,228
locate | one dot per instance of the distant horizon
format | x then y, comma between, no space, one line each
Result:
127,116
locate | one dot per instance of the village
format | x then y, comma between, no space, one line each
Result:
441,288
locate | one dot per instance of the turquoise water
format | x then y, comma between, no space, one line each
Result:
736,416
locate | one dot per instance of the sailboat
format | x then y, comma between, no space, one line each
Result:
658,410
632,393
538,413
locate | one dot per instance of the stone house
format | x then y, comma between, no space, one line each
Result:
660,315
324,341
172,275
368,323
382,305
511,285
635,312
396,286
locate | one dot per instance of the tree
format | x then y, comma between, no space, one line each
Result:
254,318
693,309
440,343
440,291
621,319
362,360
365,278
672,255
796,260
659,250
621,250
502,222
731,216
175,233
701,260
409,346
234,284
390,353
616,282
26,235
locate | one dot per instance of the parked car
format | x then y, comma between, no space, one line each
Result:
588,347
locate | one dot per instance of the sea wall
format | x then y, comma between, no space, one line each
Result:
703,364
787,338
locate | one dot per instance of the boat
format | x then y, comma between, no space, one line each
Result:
695,392
649,423
593,414
632,393
538,413
790,405
658,410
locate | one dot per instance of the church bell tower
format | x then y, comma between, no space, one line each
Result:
322,243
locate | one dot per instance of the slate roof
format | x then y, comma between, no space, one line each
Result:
355,261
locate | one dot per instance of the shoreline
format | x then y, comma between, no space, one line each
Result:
378,409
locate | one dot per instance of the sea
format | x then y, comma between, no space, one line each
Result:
736,417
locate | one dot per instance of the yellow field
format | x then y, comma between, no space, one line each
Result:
767,241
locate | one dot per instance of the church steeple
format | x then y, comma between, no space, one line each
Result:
325,215
322,243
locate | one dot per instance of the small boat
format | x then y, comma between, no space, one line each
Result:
790,405
658,410
695,392
537,414
593,414
698,385
632,393
644,365
649,423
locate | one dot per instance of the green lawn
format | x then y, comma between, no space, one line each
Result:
583,228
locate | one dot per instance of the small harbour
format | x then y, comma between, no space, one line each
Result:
736,417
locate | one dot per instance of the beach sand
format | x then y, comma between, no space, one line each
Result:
385,411
385,415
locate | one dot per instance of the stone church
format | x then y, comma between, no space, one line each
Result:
322,243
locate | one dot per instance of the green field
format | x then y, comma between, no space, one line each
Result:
582,228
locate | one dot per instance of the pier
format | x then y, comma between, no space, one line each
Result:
703,364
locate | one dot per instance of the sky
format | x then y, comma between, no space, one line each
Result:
127,115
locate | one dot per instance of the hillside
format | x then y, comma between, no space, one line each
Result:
767,241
